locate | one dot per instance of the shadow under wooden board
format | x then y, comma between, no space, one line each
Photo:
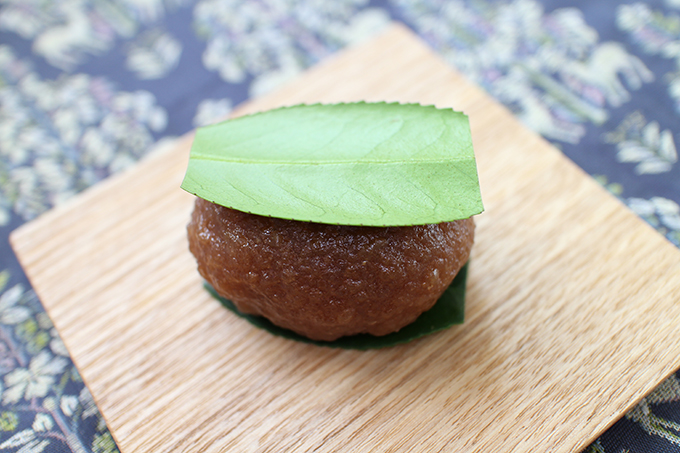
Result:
572,308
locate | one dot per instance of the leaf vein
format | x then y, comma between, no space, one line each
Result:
327,162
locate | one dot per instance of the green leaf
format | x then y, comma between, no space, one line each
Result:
374,164
449,310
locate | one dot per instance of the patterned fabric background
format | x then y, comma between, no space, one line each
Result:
87,87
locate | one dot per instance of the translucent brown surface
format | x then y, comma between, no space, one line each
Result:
326,281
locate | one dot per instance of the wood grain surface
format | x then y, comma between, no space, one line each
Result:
573,307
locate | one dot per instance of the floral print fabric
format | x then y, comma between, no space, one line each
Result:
87,87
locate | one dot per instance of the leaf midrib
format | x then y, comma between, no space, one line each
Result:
327,162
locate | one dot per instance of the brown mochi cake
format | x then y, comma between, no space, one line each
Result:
327,281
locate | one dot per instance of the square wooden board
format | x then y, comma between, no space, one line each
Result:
572,308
